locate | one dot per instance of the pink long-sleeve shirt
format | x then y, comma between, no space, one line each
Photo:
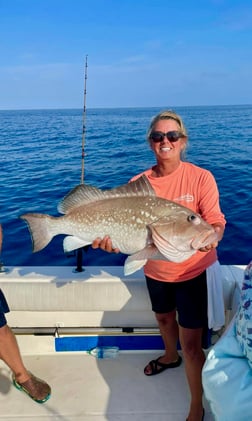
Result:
195,188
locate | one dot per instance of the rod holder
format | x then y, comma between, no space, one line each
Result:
79,267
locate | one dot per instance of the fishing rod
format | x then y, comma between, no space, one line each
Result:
79,267
84,124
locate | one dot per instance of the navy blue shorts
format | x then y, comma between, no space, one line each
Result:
188,298
4,308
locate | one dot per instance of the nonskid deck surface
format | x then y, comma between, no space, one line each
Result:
87,389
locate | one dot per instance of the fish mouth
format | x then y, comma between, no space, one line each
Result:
204,240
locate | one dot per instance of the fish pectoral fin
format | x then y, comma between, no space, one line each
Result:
71,243
137,260
131,266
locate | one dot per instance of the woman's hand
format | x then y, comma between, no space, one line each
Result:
219,230
105,244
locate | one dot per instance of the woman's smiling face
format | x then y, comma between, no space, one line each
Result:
165,149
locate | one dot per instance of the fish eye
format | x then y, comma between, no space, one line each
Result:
194,219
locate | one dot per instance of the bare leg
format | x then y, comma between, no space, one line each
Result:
194,359
169,330
10,354
36,388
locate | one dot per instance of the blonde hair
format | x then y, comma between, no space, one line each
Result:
167,115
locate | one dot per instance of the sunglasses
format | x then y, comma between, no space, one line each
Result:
172,136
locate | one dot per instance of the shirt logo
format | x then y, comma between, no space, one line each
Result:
185,198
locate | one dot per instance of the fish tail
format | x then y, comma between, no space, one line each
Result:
39,228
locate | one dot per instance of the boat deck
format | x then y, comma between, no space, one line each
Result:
53,302
88,389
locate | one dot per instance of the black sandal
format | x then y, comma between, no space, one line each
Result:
158,367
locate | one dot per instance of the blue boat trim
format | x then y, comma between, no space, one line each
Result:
124,342
129,342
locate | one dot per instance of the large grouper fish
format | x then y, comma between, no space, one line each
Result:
138,222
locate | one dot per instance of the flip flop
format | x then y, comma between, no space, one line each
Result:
35,388
158,367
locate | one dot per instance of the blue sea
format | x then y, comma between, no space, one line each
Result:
41,162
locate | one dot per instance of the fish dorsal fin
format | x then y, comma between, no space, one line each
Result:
80,195
84,194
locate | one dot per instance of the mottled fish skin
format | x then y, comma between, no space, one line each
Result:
139,223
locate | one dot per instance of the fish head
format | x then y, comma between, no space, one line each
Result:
180,234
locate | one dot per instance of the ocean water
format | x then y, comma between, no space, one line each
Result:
41,162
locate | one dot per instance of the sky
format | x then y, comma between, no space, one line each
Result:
140,53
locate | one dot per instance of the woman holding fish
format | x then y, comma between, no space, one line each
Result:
180,288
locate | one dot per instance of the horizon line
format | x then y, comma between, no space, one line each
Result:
122,107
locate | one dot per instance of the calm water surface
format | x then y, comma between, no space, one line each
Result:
41,161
